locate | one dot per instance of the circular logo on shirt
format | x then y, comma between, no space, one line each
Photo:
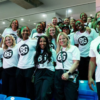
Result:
83,40
24,49
62,56
8,54
98,48
14,36
36,37
41,60
51,45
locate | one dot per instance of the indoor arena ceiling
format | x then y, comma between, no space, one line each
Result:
29,17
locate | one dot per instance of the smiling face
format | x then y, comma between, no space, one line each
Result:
72,22
66,21
25,33
52,31
83,17
63,41
79,25
8,41
54,21
42,43
14,24
66,31
39,28
98,15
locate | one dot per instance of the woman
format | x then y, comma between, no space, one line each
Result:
94,23
11,30
10,61
25,68
52,33
72,24
66,30
83,38
44,60
66,74
39,32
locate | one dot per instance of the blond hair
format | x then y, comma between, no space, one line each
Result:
58,45
4,43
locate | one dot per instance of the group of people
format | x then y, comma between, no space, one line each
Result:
50,60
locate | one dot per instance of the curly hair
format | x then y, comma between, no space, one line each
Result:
46,51
13,43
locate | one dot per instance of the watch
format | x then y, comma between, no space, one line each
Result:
69,73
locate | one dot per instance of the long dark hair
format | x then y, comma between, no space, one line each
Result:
46,51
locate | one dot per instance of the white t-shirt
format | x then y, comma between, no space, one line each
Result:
9,31
87,24
37,35
68,57
26,50
95,52
53,44
44,63
71,37
10,57
84,41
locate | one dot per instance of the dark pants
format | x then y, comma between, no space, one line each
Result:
43,84
9,81
98,89
65,90
1,72
83,68
24,84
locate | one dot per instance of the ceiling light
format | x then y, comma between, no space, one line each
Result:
22,19
34,23
3,22
71,17
91,15
29,20
44,15
69,11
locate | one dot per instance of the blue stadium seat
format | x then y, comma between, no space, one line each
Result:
17,98
0,85
85,93
3,97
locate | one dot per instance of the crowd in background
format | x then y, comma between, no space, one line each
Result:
50,59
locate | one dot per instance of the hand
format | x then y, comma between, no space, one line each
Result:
91,81
65,76
88,30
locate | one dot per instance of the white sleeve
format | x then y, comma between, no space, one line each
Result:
4,33
91,52
54,55
76,54
95,34
1,51
75,38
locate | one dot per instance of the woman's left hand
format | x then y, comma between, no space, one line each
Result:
65,76
88,30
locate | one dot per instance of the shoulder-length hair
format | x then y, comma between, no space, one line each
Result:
58,45
4,42
12,21
48,32
45,51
